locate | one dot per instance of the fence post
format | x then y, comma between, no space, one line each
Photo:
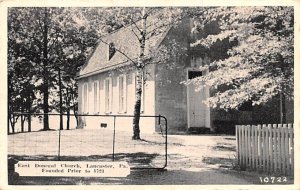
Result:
270,148
285,149
260,146
237,142
255,147
243,147
249,145
279,147
166,141
264,147
291,147
246,145
252,146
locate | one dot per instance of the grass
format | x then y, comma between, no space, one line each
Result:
192,159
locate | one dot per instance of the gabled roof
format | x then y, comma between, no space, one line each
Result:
125,40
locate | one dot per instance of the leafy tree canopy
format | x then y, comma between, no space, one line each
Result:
259,60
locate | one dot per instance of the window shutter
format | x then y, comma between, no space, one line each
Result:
105,96
92,102
125,93
99,97
110,95
85,98
117,102
82,99
96,97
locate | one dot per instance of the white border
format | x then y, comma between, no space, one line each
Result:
4,4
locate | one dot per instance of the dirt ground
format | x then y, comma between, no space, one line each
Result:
191,159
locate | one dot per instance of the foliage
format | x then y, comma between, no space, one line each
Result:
33,60
259,61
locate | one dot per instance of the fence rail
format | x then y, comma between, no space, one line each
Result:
97,143
268,148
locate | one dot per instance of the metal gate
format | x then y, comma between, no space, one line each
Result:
105,142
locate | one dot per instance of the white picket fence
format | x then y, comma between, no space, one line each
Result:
268,148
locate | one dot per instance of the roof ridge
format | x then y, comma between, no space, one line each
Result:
99,42
154,43
117,30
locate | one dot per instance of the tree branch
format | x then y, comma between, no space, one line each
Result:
135,34
134,23
40,24
55,40
151,10
124,54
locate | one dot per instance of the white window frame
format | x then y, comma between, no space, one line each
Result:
108,95
96,94
122,93
85,98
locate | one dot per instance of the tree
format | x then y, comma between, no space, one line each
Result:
21,86
75,44
144,23
46,40
259,61
30,29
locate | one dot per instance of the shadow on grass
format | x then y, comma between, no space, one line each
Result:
230,138
224,148
138,157
160,143
222,162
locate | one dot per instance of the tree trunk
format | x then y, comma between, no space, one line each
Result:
8,123
46,77
29,122
22,123
13,125
68,108
139,73
282,109
10,116
68,119
76,117
61,127
29,111
13,121
137,106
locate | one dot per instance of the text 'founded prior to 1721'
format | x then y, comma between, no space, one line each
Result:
72,168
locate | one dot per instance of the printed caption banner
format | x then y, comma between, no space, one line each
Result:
72,169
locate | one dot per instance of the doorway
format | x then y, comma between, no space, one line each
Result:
198,113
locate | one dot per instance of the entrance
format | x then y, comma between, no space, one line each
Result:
198,112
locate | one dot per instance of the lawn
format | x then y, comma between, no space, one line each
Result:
192,159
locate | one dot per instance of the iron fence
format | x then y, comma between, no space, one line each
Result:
102,142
